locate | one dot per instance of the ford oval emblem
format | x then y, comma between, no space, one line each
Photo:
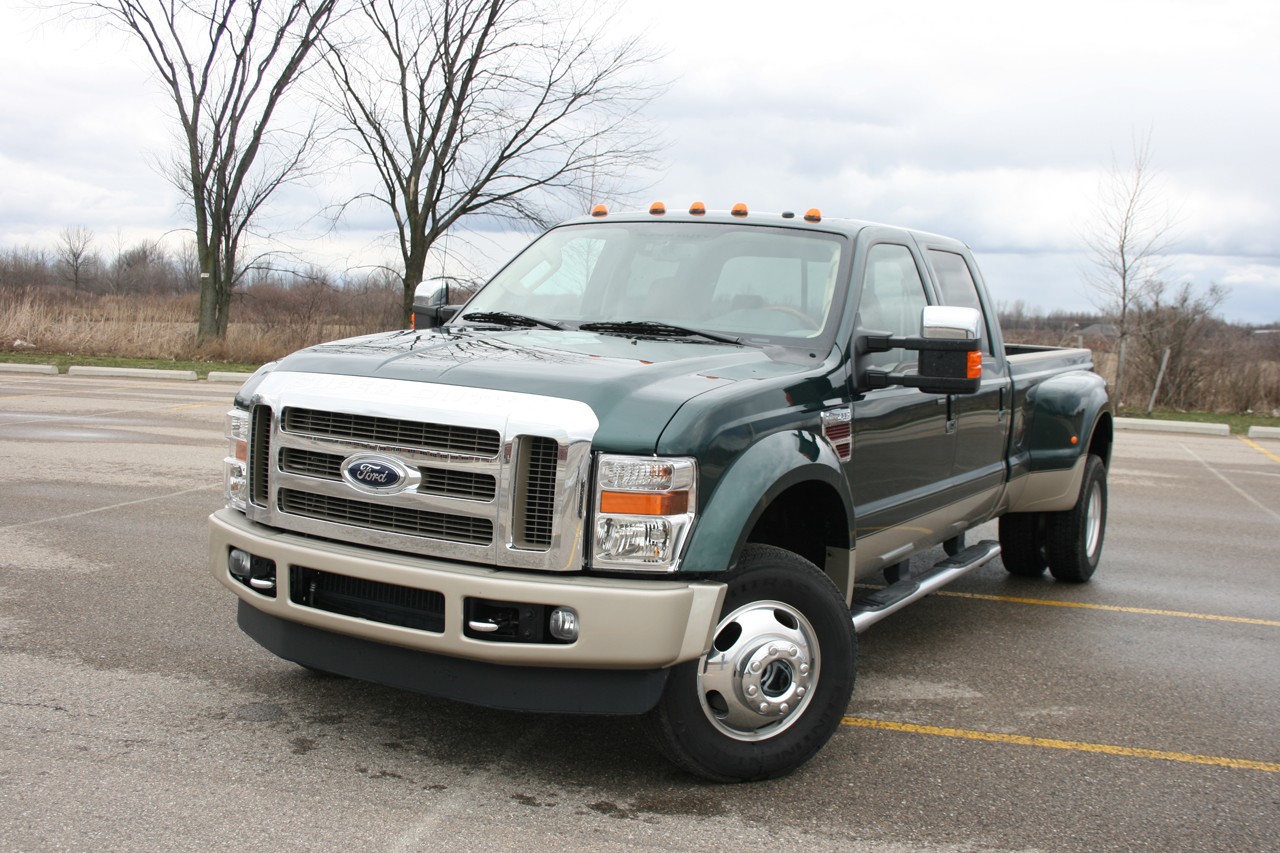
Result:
375,474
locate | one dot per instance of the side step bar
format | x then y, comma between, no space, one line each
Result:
871,609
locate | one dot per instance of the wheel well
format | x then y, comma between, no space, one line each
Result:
805,520
1100,441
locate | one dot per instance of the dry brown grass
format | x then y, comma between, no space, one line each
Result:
161,327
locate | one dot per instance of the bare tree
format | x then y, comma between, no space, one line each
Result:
1132,232
494,107
75,254
1171,331
227,65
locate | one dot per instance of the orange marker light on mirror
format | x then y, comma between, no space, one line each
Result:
975,365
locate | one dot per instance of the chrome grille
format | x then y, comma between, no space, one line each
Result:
466,485
308,463
393,519
443,438
536,491
493,477
446,482
260,454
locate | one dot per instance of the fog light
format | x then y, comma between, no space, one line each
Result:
564,624
257,573
240,564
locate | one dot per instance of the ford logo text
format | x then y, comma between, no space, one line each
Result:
375,474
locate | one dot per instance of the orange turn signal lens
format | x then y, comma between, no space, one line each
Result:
599,210
644,503
975,365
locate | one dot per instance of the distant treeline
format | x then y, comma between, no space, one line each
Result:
141,301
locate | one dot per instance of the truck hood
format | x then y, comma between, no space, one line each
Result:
634,385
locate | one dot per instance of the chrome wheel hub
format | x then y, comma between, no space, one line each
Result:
1093,522
761,671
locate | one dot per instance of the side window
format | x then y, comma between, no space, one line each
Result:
958,287
892,301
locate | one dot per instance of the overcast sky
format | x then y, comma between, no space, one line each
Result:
988,121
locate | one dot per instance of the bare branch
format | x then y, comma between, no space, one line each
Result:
1127,242
227,65
506,108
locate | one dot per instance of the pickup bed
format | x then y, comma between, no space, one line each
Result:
651,468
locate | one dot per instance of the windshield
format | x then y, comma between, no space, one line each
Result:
755,283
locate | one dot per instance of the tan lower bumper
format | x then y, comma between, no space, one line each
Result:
624,623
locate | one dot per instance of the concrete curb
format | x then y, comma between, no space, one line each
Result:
47,369
133,373
1264,432
1144,425
227,376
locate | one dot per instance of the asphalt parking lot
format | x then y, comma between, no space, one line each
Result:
1138,712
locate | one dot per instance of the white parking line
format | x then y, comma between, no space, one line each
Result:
112,506
1250,498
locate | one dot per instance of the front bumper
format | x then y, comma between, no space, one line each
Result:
625,624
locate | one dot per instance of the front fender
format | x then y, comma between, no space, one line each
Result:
767,469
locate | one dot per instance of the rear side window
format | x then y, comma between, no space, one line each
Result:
958,286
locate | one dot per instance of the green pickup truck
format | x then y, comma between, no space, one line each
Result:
663,463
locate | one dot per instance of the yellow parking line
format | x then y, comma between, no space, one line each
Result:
1048,602
1259,448
1075,746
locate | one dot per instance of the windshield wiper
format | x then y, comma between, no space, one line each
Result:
506,318
656,329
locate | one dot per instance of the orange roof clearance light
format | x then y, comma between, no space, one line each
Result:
739,209
599,210
813,215
697,209
657,208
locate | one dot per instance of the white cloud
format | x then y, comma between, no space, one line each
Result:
991,121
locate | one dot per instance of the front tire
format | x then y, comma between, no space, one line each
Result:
776,682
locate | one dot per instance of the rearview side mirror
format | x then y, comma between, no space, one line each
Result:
949,344
431,306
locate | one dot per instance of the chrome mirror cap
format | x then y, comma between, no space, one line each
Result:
951,323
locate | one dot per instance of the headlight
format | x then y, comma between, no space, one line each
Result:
234,467
645,507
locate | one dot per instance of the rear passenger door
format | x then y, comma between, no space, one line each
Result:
981,420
